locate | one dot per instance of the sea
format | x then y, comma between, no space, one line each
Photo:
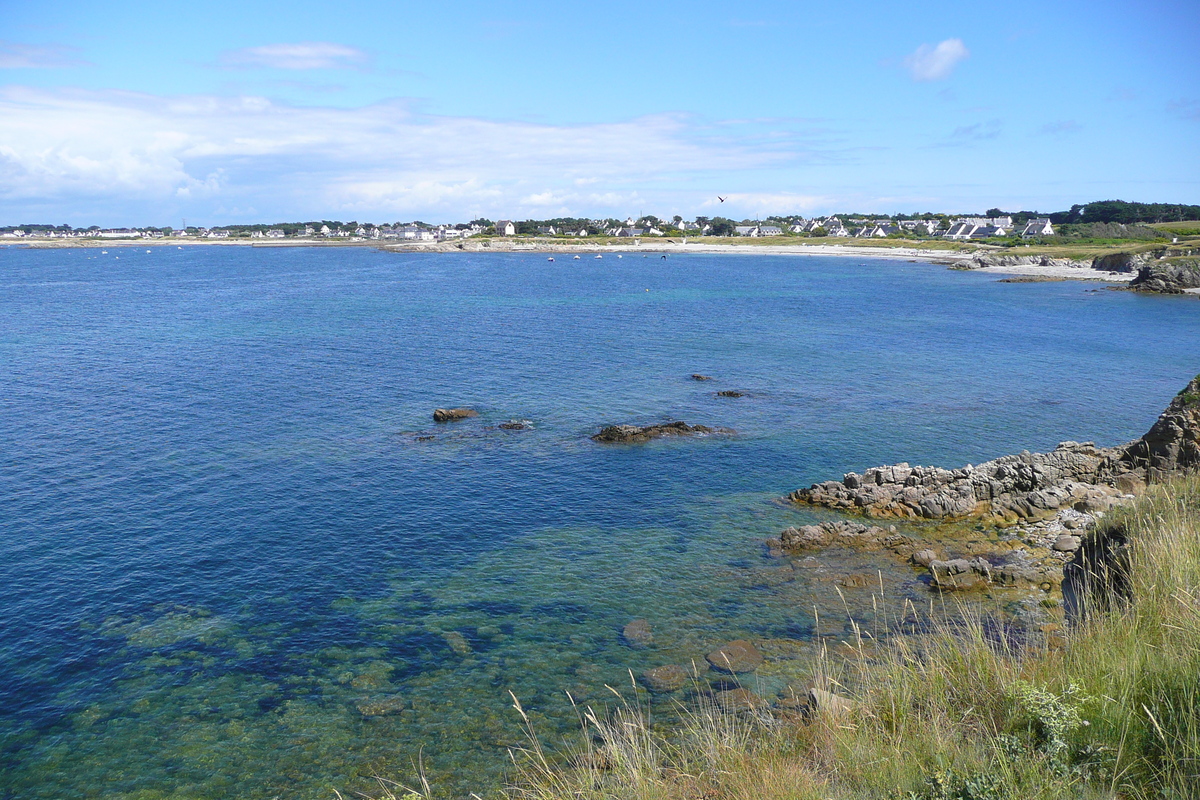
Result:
238,558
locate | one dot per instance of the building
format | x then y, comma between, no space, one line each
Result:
1037,227
505,227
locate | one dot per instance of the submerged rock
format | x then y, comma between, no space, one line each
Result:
452,414
515,425
736,657
637,633
382,706
630,434
665,679
730,393
696,376
735,701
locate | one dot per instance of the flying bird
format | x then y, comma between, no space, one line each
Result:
722,199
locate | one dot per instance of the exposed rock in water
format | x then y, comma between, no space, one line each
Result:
515,425
629,434
696,376
452,414
664,679
1168,276
638,634
842,533
730,393
736,657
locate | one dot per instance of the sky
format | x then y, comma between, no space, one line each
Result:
140,113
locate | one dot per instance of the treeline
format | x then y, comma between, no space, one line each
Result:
1126,213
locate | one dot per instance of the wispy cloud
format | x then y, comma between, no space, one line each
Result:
298,56
379,159
17,55
1059,128
937,62
1185,108
979,131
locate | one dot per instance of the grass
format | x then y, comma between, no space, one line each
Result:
1184,228
1109,709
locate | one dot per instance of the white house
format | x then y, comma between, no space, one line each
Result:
1037,227
505,227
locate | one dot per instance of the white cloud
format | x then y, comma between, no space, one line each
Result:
15,55
935,63
91,149
298,55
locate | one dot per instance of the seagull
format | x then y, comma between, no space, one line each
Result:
722,199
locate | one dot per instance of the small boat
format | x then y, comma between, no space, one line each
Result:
619,256
599,256
576,258
551,258
103,252
147,251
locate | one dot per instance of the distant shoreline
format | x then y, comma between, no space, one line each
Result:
953,258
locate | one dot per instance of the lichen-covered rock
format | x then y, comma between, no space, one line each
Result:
843,533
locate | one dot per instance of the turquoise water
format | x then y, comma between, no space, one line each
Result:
226,532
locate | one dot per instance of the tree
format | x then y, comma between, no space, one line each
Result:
993,212
721,227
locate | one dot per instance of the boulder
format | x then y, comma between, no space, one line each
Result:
1173,442
736,657
696,376
452,414
1066,543
924,557
665,679
730,393
514,425
637,634
828,703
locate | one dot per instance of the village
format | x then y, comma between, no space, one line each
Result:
900,227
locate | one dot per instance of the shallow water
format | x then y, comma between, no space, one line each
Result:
223,532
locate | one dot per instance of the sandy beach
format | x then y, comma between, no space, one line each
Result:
961,259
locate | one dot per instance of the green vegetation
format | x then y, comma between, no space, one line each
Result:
1109,709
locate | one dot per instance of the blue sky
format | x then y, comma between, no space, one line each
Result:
147,113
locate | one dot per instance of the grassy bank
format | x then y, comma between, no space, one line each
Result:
1110,709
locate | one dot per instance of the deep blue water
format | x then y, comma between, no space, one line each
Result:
222,530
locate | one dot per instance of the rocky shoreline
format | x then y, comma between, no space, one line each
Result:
1045,503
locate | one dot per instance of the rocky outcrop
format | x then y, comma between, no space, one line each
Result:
696,376
631,434
1173,442
996,260
1168,276
1121,262
1024,486
452,414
